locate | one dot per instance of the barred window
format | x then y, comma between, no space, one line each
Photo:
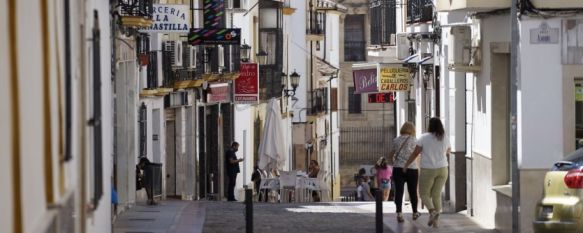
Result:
354,102
383,24
354,43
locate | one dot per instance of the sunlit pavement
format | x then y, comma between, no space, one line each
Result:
207,216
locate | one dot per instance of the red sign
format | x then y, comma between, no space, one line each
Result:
381,98
219,93
247,85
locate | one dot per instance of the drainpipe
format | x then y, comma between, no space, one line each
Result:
515,37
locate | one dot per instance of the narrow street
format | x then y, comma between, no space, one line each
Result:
223,217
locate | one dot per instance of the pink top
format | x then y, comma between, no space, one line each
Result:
384,173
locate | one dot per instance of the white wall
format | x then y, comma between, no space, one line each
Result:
6,203
151,104
295,28
31,107
244,115
540,112
101,219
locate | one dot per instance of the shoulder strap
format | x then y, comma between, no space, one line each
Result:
401,147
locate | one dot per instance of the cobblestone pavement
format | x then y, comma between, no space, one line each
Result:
223,217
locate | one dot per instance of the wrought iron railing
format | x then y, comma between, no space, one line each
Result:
419,11
354,51
142,8
316,23
359,144
152,71
383,17
318,100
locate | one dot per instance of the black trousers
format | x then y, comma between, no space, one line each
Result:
231,189
400,178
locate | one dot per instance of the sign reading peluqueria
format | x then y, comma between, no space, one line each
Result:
169,18
394,79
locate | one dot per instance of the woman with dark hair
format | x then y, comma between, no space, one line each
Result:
384,173
434,148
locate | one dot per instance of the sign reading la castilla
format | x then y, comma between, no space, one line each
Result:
169,18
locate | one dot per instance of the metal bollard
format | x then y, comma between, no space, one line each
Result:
248,211
379,211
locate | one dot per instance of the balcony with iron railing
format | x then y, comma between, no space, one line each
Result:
136,13
419,11
318,101
354,51
316,26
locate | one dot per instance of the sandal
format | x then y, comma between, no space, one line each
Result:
400,218
432,214
416,215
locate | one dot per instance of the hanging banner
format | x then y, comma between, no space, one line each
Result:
365,81
219,93
247,85
394,79
214,36
169,18
214,13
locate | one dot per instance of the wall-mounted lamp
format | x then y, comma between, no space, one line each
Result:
262,57
294,78
245,52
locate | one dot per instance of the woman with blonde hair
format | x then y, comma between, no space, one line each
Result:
384,173
403,147
434,148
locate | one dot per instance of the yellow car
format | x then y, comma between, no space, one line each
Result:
561,208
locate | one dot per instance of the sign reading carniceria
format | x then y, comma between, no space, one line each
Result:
170,18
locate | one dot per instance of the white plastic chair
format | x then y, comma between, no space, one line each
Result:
287,185
267,185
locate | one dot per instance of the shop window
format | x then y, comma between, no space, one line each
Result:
354,102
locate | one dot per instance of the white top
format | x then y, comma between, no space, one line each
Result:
406,151
433,154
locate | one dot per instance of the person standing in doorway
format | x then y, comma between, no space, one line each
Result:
403,147
232,169
434,148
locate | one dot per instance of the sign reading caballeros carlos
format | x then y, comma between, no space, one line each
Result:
394,79
169,18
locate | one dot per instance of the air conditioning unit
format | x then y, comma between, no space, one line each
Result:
402,46
221,58
176,99
175,49
393,39
190,57
460,45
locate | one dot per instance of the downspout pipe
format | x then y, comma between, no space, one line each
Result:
513,120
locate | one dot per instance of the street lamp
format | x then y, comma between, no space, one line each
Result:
245,49
262,57
295,79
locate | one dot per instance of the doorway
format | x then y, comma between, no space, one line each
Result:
156,150
170,159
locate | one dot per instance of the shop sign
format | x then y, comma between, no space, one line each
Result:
247,85
365,81
214,36
219,93
394,79
169,18
544,34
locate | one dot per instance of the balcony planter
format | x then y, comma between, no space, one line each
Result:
288,10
